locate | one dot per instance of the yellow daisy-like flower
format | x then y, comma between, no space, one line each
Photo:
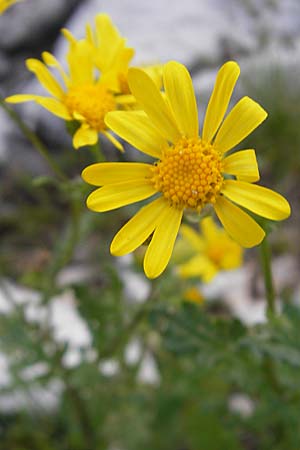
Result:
85,96
212,251
5,4
190,171
193,295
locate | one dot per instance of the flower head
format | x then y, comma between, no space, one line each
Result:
85,96
209,252
5,4
190,170
193,295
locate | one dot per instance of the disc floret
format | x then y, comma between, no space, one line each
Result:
90,103
189,174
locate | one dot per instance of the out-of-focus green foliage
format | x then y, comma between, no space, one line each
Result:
203,361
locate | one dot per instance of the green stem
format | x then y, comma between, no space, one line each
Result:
80,410
97,153
265,254
63,252
32,137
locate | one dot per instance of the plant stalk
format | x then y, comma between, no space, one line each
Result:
265,254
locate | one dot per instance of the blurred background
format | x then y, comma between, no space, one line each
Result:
92,354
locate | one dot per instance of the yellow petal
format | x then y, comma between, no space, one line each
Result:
193,238
114,141
125,100
112,173
108,40
5,4
114,196
244,117
81,63
51,61
220,98
198,266
243,165
152,102
209,229
161,246
20,98
135,232
51,104
260,200
45,77
136,128
69,36
238,224
85,136
181,97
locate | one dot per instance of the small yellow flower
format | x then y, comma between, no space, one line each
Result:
5,4
211,251
85,96
190,171
193,295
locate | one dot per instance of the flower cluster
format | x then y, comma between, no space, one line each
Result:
94,84
191,170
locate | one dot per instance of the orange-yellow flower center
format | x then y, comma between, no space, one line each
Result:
189,174
90,103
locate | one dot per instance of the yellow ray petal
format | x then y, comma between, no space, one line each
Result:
112,173
209,229
243,165
260,200
125,100
20,98
85,136
69,36
189,234
136,128
108,41
161,246
238,224
138,229
181,97
114,141
114,196
152,102
5,4
220,98
45,77
51,104
51,61
198,266
244,117
81,63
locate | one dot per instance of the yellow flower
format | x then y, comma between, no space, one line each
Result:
193,295
85,97
5,4
190,171
211,252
